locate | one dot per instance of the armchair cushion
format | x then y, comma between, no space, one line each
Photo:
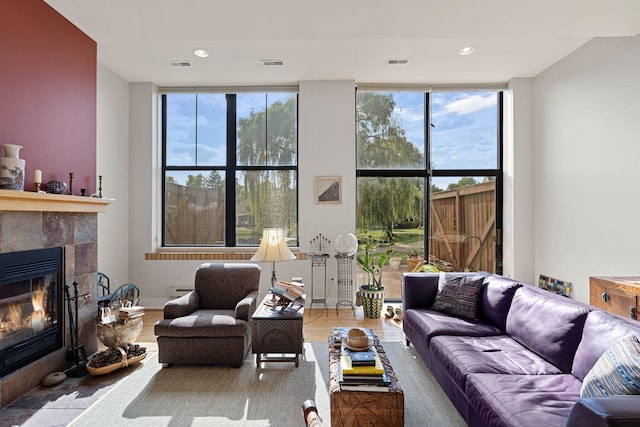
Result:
203,323
223,285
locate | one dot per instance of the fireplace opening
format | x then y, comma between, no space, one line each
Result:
31,313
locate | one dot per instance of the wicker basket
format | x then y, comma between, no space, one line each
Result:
125,362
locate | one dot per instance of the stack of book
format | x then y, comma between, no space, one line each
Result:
292,291
362,371
131,312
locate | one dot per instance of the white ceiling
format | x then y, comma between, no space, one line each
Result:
342,39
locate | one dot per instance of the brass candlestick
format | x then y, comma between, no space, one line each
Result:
71,183
37,187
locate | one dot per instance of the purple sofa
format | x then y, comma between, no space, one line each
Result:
523,361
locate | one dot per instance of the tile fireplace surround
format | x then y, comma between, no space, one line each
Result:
36,221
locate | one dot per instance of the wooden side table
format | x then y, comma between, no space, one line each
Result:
277,335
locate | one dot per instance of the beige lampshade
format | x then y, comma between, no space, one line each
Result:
273,247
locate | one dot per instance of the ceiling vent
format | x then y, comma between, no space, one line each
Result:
180,63
397,62
272,63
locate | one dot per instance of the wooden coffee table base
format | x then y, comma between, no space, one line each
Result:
365,408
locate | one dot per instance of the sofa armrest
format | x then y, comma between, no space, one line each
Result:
246,306
419,289
182,306
609,411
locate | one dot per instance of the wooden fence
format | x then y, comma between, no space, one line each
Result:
462,228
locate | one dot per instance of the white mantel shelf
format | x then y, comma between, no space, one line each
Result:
14,200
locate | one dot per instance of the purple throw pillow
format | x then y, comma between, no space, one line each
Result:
459,297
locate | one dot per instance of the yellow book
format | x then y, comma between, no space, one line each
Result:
347,369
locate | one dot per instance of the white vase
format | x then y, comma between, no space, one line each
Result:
12,168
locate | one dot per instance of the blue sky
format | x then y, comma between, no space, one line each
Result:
464,135
464,131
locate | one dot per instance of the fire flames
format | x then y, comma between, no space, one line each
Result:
17,316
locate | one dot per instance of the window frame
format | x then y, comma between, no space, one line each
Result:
231,167
427,172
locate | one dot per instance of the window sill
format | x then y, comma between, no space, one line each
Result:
165,255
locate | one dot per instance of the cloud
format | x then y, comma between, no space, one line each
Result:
471,104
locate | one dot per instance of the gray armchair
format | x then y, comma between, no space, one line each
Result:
211,324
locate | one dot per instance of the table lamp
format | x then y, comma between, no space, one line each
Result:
273,248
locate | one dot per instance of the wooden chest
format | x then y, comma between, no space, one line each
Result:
362,408
617,295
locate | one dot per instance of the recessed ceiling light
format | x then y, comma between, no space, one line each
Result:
201,53
467,50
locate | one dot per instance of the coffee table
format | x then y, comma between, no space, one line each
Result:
365,408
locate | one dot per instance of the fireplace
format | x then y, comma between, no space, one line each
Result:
31,306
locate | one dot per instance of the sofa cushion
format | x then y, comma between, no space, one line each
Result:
495,299
419,290
617,372
202,323
548,324
601,331
429,323
523,400
496,354
459,296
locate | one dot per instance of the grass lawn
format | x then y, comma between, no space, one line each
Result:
406,239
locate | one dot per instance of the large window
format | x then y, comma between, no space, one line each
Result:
229,167
428,179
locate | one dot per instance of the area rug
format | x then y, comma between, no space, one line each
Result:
271,396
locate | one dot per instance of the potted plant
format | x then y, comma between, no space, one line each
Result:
414,258
372,292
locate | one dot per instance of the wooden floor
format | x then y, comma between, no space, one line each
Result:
316,327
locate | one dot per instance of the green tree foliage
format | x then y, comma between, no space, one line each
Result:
463,182
269,138
435,189
382,144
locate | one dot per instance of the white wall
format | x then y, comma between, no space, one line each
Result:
586,150
113,164
327,140
518,212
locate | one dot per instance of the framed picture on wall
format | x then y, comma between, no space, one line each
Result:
328,190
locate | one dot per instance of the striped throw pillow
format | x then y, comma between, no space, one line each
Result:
459,297
617,371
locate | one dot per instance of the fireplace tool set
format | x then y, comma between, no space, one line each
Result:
79,369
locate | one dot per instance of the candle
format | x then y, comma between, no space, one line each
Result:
38,176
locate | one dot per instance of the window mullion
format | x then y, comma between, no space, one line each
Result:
230,172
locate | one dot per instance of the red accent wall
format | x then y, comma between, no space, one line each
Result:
48,93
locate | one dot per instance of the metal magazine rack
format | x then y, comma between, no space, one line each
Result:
345,282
